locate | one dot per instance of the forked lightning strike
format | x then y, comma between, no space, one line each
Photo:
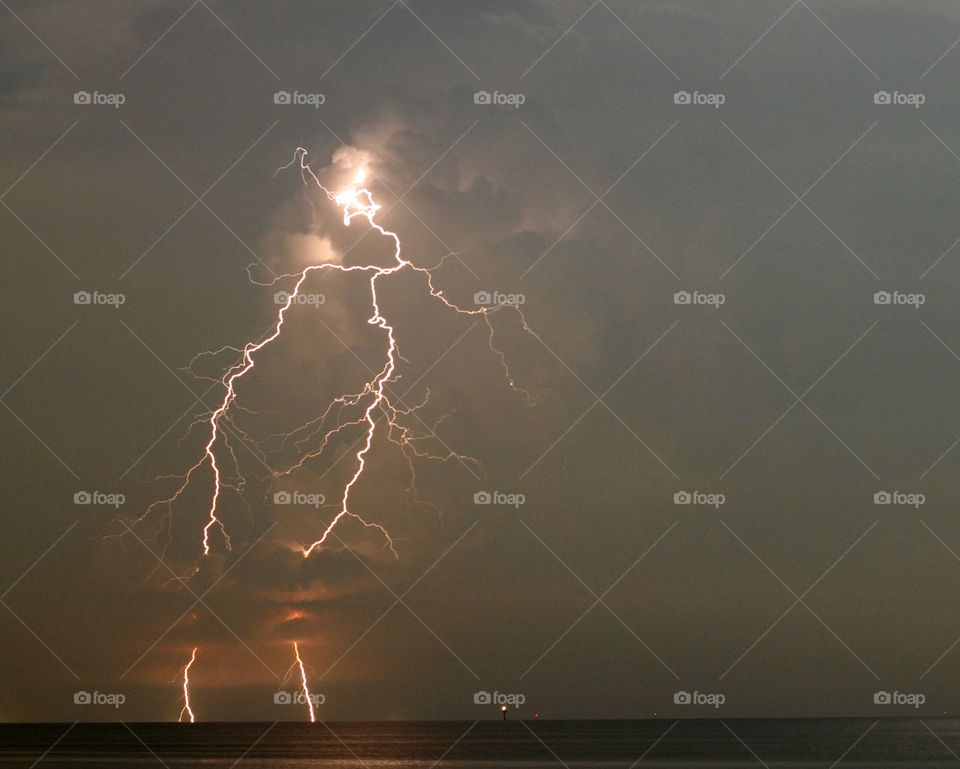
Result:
375,398
187,711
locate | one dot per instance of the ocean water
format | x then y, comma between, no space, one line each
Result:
845,743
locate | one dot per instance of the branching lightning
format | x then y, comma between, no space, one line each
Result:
187,711
375,402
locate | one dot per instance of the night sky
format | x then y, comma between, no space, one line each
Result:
638,153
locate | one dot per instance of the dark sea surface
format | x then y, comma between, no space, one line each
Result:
846,743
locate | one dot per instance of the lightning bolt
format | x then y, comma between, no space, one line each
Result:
374,399
187,711
357,201
298,668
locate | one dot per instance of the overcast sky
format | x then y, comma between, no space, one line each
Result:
778,164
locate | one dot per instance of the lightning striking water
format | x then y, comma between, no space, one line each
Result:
374,399
304,687
187,710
